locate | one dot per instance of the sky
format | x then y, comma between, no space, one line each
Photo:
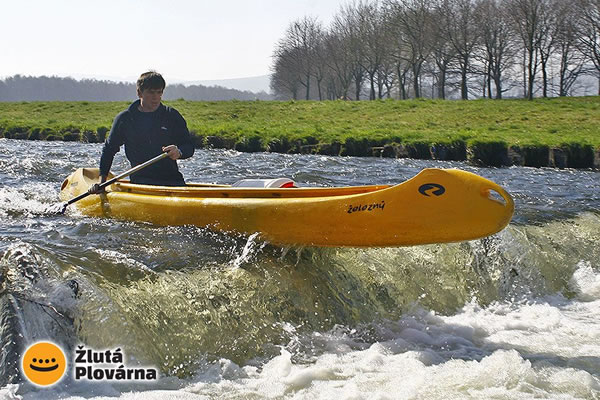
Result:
185,40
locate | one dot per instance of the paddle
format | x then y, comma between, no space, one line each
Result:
61,208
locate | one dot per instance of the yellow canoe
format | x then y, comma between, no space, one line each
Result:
435,206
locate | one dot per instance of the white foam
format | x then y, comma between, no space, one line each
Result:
538,348
546,349
9,392
121,259
26,199
585,282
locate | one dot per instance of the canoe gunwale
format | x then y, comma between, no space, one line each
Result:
201,191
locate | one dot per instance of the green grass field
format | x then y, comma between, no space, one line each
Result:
285,126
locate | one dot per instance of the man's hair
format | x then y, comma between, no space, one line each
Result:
150,80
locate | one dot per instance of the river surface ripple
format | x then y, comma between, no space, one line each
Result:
512,316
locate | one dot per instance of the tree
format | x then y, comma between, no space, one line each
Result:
442,51
345,24
412,26
571,60
460,26
527,20
590,32
299,45
285,76
320,62
499,47
370,23
340,61
386,77
421,47
547,38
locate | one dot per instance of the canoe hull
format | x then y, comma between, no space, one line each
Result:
435,206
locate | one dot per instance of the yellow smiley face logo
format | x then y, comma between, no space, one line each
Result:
44,363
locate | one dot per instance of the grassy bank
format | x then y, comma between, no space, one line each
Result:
563,132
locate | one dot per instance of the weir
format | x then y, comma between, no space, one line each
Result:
34,306
275,296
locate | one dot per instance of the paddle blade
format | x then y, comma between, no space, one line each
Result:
58,209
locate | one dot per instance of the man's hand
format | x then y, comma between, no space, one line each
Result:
173,151
95,188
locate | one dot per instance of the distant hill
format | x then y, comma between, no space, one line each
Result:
44,88
254,84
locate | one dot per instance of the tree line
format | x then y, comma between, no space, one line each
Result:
44,88
442,49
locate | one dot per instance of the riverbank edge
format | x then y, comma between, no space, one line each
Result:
486,153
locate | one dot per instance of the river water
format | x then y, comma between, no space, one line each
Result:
512,316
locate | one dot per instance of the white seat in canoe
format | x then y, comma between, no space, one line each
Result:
266,183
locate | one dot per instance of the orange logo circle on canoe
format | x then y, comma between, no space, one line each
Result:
44,363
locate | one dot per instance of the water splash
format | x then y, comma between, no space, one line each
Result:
251,249
27,200
35,305
585,282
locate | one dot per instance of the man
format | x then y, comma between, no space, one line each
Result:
148,128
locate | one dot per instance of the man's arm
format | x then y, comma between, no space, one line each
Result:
185,143
112,145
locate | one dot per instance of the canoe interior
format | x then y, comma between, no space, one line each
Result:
208,190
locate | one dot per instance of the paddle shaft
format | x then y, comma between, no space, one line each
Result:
120,176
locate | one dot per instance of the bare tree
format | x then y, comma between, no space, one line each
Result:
527,20
412,22
299,44
421,47
285,75
547,37
442,50
345,24
460,26
386,74
339,61
321,68
590,32
499,47
397,50
386,77
370,24
571,60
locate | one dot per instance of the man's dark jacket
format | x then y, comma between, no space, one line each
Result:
167,127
